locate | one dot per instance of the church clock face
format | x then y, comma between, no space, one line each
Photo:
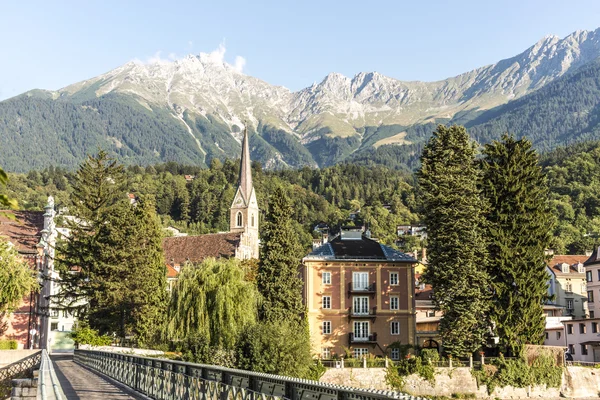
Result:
239,201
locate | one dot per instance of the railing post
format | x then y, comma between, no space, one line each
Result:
364,362
450,362
471,361
482,359
342,362
386,362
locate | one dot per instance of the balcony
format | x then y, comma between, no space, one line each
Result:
367,290
371,313
372,338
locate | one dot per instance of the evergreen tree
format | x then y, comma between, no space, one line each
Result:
278,276
5,201
454,212
520,223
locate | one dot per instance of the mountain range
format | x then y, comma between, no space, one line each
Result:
195,109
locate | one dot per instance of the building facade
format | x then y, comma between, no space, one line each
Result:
360,296
567,283
592,277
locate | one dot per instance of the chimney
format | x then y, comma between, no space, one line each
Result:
424,255
588,253
415,254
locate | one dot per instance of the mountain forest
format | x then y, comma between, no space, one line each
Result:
382,196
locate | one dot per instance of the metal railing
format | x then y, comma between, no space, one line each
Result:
20,369
174,380
47,377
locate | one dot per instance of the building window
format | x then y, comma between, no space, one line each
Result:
65,313
569,305
394,303
594,327
547,335
252,220
588,276
360,353
54,312
571,349
395,328
581,328
568,287
584,350
327,302
591,314
395,354
599,274
361,305
361,330
558,335
326,353
54,326
238,219
569,329
430,313
326,327
360,280
326,278
393,278
591,296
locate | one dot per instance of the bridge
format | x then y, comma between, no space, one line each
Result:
103,375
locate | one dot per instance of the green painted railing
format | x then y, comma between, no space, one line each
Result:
174,380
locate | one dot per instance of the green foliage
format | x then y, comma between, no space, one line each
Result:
278,280
453,211
17,280
519,226
316,371
199,350
395,375
8,344
5,201
277,347
430,355
83,334
212,303
517,373
112,244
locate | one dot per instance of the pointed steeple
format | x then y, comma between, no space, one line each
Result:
245,182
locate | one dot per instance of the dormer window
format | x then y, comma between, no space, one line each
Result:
565,268
580,268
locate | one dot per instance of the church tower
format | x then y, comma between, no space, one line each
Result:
243,216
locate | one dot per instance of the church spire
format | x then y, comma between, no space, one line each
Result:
245,181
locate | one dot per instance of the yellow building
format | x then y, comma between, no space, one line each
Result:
360,296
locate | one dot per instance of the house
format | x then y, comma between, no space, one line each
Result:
242,240
567,283
592,278
582,339
359,295
427,317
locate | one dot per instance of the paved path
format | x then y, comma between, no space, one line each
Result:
78,382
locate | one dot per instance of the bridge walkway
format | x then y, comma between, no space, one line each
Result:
78,382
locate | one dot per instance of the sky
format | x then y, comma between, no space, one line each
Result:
51,44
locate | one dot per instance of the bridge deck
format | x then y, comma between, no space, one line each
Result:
78,382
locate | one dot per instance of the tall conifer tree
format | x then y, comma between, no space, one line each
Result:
278,271
454,212
519,232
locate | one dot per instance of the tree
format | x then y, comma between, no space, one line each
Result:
214,302
454,212
17,279
5,201
111,265
520,224
278,271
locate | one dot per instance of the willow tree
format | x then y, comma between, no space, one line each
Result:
214,302
454,212
520,224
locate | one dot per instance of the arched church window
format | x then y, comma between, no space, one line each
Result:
252,220
239,218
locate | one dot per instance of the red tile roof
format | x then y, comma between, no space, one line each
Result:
555,263
171,271
195,249
422,294
24,231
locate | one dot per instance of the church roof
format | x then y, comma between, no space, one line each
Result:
195,249
245,180
24,231
359,249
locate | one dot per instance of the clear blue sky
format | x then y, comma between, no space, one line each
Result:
50,44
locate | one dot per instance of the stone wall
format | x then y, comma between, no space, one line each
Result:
12,356
578,382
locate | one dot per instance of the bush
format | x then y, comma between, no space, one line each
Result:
430,356
394,375
316,371
8,345
86,335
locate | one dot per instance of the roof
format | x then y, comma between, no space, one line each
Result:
24,232
195,249
245,180
555,264
423,294
171,271
593,259
358,249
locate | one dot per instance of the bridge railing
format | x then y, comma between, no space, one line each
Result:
174,380
20,369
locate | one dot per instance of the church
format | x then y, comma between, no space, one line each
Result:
240,242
